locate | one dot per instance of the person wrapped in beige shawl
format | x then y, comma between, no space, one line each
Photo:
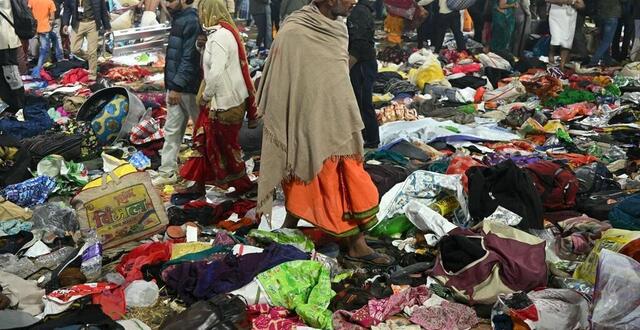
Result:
312,143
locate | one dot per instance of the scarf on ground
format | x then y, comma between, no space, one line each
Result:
309,108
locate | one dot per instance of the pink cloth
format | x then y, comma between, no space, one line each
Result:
574,110
447,316
378,311
265,317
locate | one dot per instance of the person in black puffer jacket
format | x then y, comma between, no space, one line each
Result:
182,79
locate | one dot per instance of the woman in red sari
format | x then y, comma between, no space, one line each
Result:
226,94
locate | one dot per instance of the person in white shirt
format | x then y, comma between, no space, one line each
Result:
563,15
226,95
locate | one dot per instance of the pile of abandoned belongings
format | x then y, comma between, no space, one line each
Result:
510,199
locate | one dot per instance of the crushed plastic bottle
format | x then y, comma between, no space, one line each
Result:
91,265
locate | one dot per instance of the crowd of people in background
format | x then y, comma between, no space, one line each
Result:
503,26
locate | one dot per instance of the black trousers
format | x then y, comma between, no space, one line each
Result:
427,28
621,51
363,74
579,39
275,14
477,16
263,23
445,22
11,88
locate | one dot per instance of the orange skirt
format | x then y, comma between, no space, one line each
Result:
341,200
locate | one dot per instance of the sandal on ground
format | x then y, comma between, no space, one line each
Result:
369,259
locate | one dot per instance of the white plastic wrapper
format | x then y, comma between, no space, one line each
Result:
423,187
505,217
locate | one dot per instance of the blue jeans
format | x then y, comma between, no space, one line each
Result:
607,28
45,45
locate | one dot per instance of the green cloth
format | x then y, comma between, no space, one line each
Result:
503,26
303,286
284,236
381,155
612,90
570,96
439,166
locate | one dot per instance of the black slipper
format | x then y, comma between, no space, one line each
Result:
369,259
409,275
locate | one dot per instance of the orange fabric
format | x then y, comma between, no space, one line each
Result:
43,11
232,226
341,200
468,22
394,26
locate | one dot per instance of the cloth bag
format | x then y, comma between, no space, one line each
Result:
499,260
493,60
506,93
95,104
122,206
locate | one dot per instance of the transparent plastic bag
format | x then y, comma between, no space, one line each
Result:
55,218
141,293
617,292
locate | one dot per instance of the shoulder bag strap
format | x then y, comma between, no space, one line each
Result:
7,18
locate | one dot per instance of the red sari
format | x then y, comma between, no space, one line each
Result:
217,155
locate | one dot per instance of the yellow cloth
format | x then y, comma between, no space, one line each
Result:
182,249
10,211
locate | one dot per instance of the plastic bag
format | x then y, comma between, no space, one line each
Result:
507,93
55,218
617,292
494,61
141,293
612,240
430,72
21,267
424,187
426,219
284,236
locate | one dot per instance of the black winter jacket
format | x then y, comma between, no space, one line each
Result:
100,13
361,25
182,67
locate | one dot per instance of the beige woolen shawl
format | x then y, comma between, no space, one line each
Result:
309,108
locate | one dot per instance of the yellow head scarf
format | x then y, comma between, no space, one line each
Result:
211,12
